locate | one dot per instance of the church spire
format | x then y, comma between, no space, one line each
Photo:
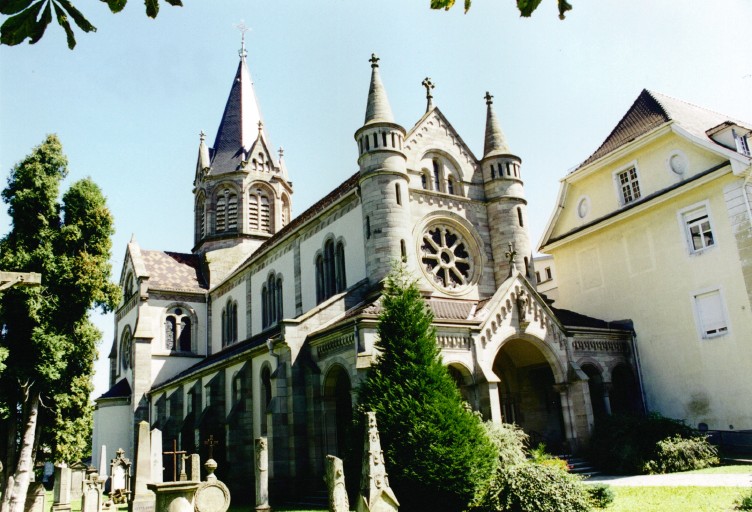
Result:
239,127
377,109
495,143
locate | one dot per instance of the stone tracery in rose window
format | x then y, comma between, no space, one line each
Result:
446,258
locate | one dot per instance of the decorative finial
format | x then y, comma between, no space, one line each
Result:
202,136
428,84
260,125
489,98
281,152
243,28
374,60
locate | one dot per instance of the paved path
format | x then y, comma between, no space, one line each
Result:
676,480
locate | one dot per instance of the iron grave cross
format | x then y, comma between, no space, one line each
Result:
175,452
211,443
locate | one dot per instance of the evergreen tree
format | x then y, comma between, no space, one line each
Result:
437,452
48,339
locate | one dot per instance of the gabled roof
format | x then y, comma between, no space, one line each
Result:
649,111
174,271
120,390
411,140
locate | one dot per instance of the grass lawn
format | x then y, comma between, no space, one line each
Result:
672,499
726,470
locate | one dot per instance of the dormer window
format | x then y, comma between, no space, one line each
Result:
742,143
629,185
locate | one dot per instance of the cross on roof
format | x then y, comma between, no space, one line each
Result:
374,60
175,452
428,84
211,443
243,28
489,98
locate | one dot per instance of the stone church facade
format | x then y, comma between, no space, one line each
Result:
269,324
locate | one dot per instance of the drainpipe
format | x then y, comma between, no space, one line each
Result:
639,373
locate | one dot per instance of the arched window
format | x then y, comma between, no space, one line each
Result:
339,268
200,217
279,306
436,176
519,216
450,185
226,212
330,281
230,323
271,300
424,181
178,334
320,292
260,211
126,349
285,217
266,397
129,286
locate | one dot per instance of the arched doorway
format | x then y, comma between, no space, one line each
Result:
526,393
464,381
337,411
625,396
595,386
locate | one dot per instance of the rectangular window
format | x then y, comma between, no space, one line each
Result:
698,229
710,314
629,185
548,273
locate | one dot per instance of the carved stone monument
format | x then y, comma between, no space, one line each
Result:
262,474
195,466
375,493
142,499
335,481
62,494
78,475
120,477
212,495
92,498
35,498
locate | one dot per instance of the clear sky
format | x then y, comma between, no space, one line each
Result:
129,102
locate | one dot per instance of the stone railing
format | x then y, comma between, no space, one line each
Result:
595,344
453,342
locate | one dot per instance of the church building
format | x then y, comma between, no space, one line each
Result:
268,326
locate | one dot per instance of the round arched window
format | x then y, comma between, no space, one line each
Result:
447,257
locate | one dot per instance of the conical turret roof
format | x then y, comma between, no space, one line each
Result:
495,142
239,127
377,109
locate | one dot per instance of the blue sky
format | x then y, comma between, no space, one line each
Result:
129,102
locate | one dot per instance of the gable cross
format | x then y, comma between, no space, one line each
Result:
211,443
428,84
175,452
374,60
243,28
489,98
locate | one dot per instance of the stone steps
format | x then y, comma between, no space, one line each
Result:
580,466
312,500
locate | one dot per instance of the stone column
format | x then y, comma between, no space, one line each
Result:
142,499
62,493
262,474
607,397
566,412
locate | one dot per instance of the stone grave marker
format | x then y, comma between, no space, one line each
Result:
62,492
35,497
157,468
262,474
92,496
195,461
212,495
103,467
335,481
120,477
375,493
142,499
78,475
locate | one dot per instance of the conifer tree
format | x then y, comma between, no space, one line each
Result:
48,340
436,450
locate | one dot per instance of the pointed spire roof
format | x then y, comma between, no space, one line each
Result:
377,109
239,127
495,142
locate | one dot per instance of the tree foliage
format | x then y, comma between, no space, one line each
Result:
45,331
437,452
28,19
526,7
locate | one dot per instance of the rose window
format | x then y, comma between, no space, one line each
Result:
446,258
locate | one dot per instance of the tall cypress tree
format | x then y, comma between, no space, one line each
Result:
436,450
46,336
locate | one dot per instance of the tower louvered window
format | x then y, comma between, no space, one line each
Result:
260,211
285,217
226,212
253,212
266,221
221,214
232,212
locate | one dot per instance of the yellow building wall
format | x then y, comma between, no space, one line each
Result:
641,268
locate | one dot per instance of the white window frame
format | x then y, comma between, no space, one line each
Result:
618,186
702,330
684,223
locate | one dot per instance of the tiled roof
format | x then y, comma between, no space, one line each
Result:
442,309
173,271
649,111
573,319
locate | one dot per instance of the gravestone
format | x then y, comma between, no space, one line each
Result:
62,493
335,481
78,475
375,493
157,468
195,461
120,477
35,497
103,467
142,499
49,471
92,496
262,474
212,495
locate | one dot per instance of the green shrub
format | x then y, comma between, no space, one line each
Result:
679,454
624,444
745,503
600,495
539,455
530,487
509,441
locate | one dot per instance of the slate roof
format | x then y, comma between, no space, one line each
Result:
120,390
651,110
572,319
173,271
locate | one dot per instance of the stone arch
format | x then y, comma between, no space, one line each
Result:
225,204
624,394
200,212
597,389
125,353
465,382
183,328
261,207
284,210
528,373
449,167
338,410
